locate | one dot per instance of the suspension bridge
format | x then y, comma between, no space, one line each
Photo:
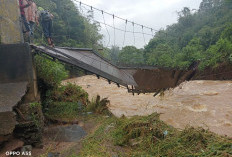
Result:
135,79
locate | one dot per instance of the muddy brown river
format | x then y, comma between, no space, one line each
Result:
206,104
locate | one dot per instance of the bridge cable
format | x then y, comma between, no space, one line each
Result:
133,32
93,8
114,30
106,28
124,34
152,33
115,27
114,15
143,36
81,5
81,8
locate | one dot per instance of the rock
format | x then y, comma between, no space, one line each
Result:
71,133
7,123
53,154
30,127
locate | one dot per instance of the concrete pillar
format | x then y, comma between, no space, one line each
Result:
10,27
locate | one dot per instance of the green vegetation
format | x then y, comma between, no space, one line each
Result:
70,28
65,102
149,136
59,101
50,72
204,36
35,110
98,106
68,93
131,55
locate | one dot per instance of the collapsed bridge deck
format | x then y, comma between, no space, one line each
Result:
137,80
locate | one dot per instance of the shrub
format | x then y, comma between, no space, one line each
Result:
68,93
65,102
50,72
149,136
98,106
148,129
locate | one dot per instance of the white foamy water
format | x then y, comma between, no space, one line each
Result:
196,103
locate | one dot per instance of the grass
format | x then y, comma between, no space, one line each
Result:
98,143
150,137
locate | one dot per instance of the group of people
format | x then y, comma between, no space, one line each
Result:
32,15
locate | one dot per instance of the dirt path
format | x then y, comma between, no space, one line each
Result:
197,103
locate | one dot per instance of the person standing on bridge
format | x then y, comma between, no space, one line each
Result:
24,4
46,22
32,16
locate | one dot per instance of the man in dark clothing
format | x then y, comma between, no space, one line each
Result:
22,5
46,22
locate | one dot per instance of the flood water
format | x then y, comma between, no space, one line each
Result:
206,104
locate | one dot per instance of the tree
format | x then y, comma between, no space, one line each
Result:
205,36
70,28
114,52
131,55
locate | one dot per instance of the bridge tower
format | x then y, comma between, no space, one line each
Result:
18,85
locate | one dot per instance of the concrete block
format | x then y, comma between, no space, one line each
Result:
10,27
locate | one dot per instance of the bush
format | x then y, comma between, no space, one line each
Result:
98,106
68,93
149,136
217,54
230,58
50,72
66,101
148,129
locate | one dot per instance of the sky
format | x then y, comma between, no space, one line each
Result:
156,14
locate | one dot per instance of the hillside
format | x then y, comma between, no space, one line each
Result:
203,35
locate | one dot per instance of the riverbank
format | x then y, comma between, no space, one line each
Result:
193,103
137,136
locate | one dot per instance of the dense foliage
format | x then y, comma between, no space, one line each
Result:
131,55
69,27
58,101
51,73
65,102
203,35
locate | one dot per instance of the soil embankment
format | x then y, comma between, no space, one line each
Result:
222,72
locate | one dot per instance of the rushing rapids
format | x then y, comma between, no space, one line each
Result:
197,103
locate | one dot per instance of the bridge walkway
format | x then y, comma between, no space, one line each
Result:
137,80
